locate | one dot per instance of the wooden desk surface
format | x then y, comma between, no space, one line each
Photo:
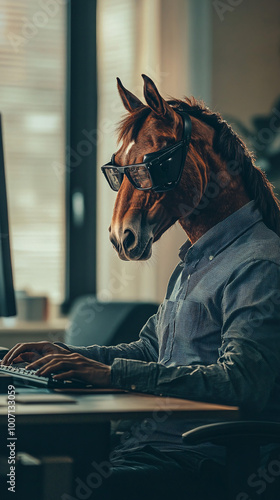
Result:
57,429
105,407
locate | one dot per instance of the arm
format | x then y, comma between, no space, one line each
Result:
145,349
249,357
92,364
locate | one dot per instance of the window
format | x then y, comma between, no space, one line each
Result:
32,96
116,25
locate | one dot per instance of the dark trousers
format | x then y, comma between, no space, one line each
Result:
149,474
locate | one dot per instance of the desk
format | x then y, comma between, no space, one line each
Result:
31,331
82,430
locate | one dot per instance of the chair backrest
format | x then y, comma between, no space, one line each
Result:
106,323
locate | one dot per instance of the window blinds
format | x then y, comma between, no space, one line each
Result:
32,95
116,53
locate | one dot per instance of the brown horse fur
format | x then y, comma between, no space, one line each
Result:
219,176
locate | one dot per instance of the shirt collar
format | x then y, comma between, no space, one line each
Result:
222,235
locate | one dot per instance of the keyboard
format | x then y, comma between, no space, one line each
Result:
29,377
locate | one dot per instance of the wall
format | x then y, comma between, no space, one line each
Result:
246,58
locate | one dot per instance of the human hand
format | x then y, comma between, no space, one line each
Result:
71,366
31,352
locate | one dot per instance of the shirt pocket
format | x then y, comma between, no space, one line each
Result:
182,332
196,336
188,319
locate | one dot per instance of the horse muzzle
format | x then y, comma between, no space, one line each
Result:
130,243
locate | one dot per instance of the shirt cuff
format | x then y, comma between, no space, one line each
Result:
61,344
131,375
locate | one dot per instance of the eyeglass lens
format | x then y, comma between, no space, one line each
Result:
115,178
141,177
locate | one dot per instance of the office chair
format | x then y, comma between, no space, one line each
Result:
106,323
243,440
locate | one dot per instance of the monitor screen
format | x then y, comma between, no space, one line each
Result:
7,295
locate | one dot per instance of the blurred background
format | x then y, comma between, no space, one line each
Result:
58,66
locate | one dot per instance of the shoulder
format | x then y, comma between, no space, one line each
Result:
254,260
259,245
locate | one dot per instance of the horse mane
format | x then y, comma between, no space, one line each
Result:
229,146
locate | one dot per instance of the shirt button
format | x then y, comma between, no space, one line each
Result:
133,387
211,257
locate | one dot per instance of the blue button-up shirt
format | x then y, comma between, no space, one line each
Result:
216,336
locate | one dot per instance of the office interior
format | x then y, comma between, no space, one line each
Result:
60,109
227,55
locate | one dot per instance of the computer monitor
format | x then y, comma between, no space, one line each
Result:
7,295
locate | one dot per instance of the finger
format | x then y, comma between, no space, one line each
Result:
27,357
8,354
53,366
49,368
18,360
69,359
42,361
72,374
68,375
22,358
18,349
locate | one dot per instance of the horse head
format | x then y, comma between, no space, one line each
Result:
143,213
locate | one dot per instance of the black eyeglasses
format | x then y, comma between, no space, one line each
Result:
160,171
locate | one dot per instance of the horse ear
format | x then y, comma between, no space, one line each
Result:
154,99
130,101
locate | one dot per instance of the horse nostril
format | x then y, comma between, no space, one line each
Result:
114,242
129,240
